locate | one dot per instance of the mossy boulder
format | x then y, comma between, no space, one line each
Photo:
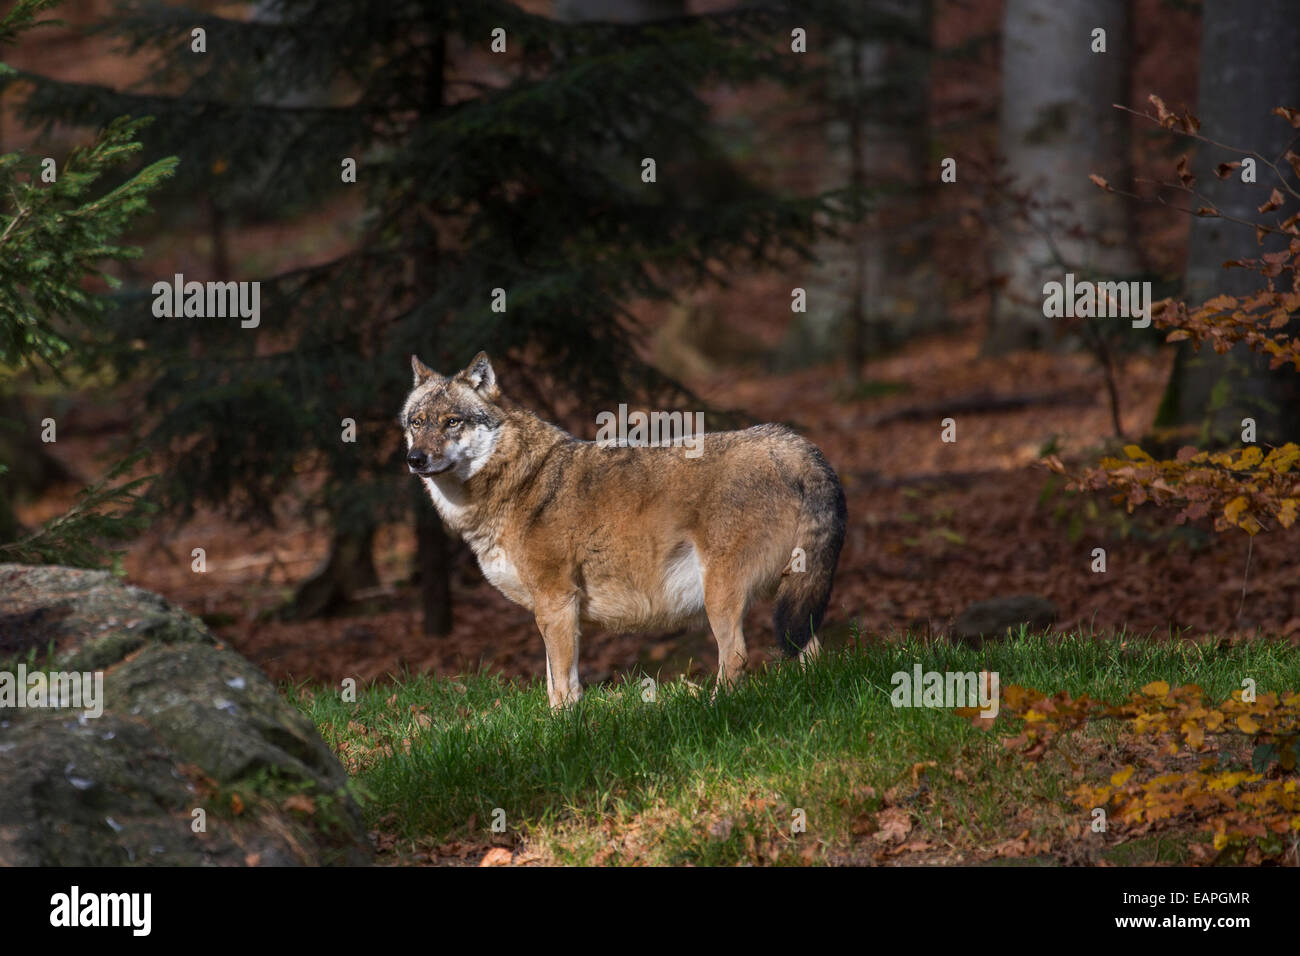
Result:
194,760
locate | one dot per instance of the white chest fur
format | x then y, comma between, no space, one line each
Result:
448,496
504,576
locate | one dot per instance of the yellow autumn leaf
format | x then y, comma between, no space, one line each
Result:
1247,723
1119,778
1195,734
1136,453
1157,688
1230,779
1250,457
1233,509
1145,723
1013,695
1281,459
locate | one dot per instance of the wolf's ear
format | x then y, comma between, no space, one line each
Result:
480,377
422,372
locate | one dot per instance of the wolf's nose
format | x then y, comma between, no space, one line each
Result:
417,459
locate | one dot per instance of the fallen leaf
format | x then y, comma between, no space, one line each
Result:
300,803
895,823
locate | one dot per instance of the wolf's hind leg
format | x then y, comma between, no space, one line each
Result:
810,650
725,606
558,621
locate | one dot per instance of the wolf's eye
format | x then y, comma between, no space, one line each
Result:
452,423
416,423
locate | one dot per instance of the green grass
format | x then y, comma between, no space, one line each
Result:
689,778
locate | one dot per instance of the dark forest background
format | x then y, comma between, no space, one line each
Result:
799,256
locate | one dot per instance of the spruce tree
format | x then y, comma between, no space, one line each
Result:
59,227
524,181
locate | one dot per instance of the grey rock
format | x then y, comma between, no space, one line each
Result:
187,724
990,619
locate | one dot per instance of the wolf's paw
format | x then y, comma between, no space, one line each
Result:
559,700
724,684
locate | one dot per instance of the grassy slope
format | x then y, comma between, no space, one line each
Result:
690,779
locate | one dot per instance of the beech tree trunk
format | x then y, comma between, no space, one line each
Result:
879,287
1250,63
1058,126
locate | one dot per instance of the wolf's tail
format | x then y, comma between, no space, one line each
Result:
802,595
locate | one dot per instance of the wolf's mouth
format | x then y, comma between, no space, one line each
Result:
431,469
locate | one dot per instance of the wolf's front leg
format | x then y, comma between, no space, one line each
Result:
558,621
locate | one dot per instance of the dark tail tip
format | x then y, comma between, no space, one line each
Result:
802,599
795,627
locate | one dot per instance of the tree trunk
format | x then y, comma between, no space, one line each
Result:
30,468
433,548
1250,63
219,233
433,565
879,287
350,567
1057,127
896,278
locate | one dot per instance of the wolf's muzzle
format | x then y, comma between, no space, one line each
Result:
419,463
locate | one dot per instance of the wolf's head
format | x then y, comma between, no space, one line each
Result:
452,424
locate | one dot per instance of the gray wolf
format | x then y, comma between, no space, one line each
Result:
627,538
